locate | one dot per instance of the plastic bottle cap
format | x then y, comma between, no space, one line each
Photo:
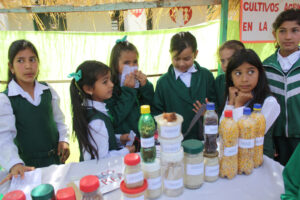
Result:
43,191
15,195
192,146
66,194
89,183
257,106
137,190
247,111
210,106
132,159
145,109
228,113
151,167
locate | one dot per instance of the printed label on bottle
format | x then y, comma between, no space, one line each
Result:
135,177
154,183
211,129
212,170
259,141
157,151
230,151
246,143
170,131
147,142
173,184
195,169
134,198
171,148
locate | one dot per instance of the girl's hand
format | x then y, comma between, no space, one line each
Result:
124,138
129,80
197,105
233,92
242,99
141,77
63,151
131,148
17,170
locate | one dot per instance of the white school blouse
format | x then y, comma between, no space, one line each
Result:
9,152
100,135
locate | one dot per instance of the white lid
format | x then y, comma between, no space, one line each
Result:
172,157
151,167
162,122
170,140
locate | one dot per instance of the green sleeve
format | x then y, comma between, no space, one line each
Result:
291,176
146,94
158,99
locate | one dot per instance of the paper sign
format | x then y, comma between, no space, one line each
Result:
131,137
126,71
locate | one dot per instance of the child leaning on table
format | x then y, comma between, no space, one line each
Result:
32,128
90,87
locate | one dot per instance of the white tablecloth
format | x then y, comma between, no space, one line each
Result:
265,182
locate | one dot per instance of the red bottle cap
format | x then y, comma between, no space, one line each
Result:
132,159
137,190
66,194
89,183
228,113
15,195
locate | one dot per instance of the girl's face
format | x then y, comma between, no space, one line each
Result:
225,55
245,77
184,60
25,67
288,37
103,88
129,58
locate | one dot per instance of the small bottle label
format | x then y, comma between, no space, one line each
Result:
173,184
171,148
135,198
195,169
212,170
211,129
170,131
147,142
154,183
230,151
135,177
259,141
246,143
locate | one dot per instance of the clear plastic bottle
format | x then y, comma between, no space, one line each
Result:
259,134
246,143
66,194
229,134
90,188
133,174
14,195
146,128
210,130
43,192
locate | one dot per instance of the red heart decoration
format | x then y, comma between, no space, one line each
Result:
137,12
186,13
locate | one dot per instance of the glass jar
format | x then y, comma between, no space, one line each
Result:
193,163
90,188
14,195
170,145
153,175
133,174
210,130
211,168
137,193
43,192
66,194
172,170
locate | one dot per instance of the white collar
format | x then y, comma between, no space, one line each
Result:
292,58
192,69
15,89
100,106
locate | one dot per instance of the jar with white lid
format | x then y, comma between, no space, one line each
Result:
193,163
168,130
137,193
172,173
133,174
211,168
171,145
153,175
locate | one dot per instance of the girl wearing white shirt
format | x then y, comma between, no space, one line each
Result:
246,84
90,86
32,129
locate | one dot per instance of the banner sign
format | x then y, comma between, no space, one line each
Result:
257,17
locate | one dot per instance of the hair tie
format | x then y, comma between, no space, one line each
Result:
124,39
76,75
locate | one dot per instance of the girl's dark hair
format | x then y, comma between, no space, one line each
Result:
232,44
114,61
91,71
14,49
262,90
181,41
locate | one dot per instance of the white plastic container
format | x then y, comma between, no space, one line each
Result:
170,145
168,130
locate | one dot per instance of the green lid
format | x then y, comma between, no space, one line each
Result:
42,192
1,196
192,146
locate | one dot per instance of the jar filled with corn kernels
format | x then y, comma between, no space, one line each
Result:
211,168
133,174
193,163
229,134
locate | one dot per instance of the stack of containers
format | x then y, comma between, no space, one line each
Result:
171,156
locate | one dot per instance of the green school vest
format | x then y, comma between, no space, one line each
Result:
220,84
37,135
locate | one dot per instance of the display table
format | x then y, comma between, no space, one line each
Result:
264,183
